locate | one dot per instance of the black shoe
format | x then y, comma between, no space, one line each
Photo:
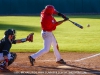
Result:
3,68
31,60
61,61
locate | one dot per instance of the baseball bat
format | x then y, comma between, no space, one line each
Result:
76,24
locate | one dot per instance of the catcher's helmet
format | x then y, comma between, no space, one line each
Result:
50,9
10,32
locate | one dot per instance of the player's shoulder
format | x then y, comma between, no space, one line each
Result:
4,40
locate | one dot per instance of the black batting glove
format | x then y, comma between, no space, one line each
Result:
63,16
66,18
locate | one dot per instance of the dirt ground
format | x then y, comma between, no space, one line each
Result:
76,64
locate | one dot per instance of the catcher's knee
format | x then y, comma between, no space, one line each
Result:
13,57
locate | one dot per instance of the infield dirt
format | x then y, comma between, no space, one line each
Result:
46,65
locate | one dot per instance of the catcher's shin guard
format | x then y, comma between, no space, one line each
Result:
13,55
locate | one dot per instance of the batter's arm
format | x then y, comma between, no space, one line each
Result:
60,22
63,16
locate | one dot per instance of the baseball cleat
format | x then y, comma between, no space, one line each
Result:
61,61
31,60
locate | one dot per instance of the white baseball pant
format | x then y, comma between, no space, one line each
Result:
49,40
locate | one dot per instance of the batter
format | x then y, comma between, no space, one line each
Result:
49,24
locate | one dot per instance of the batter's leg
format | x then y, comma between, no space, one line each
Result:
56,48
47,43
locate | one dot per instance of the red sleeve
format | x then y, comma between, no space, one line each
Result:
56,23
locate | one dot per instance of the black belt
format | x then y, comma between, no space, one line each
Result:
44,31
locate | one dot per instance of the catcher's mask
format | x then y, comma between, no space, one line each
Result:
50,9
10,32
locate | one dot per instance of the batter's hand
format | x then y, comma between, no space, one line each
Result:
30,37
63,16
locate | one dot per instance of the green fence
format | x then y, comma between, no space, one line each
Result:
10,7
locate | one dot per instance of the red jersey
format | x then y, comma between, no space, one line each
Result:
48,23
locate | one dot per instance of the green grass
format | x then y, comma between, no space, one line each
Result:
70,38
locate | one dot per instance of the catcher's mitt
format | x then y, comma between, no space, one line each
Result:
30,37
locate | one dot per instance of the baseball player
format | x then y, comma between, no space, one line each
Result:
49,24
7,57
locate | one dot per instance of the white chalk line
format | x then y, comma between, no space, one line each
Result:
50,60
88,57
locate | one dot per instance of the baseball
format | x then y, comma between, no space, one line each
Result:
88,25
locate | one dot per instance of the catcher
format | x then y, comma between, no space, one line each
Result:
7,57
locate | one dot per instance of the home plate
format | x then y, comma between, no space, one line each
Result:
64,67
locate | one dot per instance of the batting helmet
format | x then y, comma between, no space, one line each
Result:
49,9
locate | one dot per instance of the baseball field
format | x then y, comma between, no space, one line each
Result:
80,48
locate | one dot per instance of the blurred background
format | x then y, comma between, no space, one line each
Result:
34,7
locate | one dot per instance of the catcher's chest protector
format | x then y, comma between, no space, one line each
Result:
2,43
0,46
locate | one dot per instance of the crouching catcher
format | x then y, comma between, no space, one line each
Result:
7,57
